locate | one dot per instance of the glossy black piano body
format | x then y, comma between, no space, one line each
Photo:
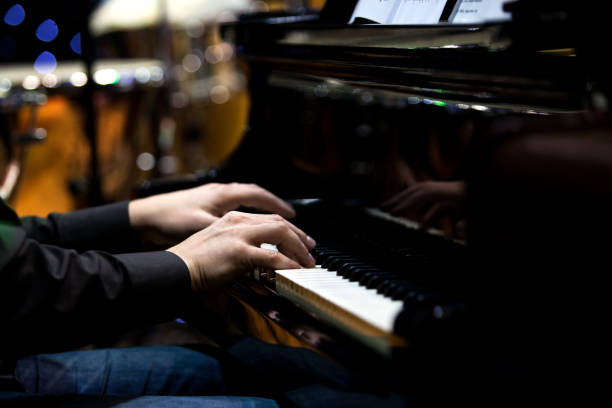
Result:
344,110
352,115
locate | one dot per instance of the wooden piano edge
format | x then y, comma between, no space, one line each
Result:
361,330
260,311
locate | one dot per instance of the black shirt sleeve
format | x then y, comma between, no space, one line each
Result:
54,299
56,295
105,227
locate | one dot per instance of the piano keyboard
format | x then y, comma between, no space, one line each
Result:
361,312
368,275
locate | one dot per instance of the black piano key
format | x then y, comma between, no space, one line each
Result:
334,263
356,273
324,254
372,279
332,252
366,276
398,263
383,287
325,259
351,270
390,288
420,297
397,289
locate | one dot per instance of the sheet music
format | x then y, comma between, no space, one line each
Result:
375,10
478,11
399,11
418,12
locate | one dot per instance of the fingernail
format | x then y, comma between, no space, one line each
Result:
311,242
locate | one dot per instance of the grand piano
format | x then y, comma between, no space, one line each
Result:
347,116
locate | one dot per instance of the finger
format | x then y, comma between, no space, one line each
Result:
431,216
288,242
279,234
259,218
251,195
399,197
202,219
270,259
414,203
295,249
305,238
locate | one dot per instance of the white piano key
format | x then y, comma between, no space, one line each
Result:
359,301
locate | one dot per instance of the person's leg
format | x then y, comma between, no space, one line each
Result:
301,378
317,395
161,370
27,400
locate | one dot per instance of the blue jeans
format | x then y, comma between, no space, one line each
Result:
173,376
304,379
162,376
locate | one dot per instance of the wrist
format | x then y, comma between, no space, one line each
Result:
138,214
194,277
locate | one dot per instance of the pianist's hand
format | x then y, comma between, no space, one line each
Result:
427,200
166,219
219,254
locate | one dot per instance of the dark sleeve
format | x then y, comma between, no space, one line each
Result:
54,299
106,228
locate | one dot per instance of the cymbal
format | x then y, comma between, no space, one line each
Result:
120,15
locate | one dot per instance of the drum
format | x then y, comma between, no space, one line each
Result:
52,105
16,134
201,111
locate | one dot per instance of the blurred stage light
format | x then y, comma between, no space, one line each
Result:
75,43
50,81
31,82
106,76
47,30
78,79
45,63
15,15
5,85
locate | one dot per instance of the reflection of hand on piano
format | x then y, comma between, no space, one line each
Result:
436,196
219,254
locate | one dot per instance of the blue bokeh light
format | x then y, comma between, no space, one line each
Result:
15,15
47,30
75,43
45,63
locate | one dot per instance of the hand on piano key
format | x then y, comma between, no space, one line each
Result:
165,219
219,254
